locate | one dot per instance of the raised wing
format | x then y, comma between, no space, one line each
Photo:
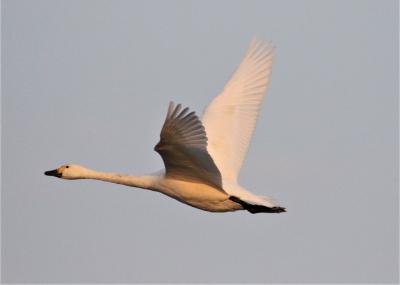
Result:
230,118
183,148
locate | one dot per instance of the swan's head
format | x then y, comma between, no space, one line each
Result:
69,171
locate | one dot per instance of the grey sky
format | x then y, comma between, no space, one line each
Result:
89,82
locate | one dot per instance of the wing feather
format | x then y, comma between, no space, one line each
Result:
183,148
230,118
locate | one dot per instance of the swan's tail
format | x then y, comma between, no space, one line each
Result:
254,208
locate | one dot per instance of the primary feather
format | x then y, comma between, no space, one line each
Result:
230,119
183,148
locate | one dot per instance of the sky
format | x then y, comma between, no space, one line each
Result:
89,82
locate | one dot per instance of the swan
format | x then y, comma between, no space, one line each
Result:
202,158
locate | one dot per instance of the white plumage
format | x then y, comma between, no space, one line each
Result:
203,158
231,117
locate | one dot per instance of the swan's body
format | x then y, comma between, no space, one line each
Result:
203,158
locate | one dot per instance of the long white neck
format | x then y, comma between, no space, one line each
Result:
145,182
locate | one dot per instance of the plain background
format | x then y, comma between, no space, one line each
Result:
89,82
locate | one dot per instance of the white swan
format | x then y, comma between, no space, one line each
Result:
202,158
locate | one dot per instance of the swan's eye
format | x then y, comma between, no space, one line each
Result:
67,166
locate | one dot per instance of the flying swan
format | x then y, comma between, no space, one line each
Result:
202,158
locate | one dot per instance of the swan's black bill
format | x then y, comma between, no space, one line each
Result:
53,173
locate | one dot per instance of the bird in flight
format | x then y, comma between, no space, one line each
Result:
202,158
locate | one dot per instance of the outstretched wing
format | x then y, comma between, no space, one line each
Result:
230,118
183,148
